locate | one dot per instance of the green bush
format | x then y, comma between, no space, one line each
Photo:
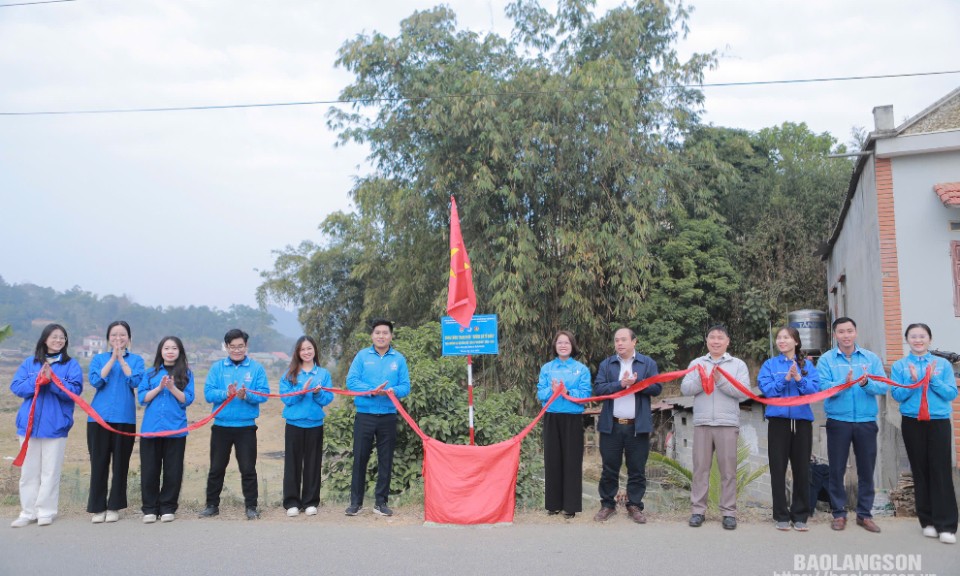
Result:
438,403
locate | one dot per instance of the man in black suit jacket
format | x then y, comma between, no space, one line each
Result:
625,425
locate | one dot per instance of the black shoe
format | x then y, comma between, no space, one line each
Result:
552,512
729,523
210,511
353,509
696,520
569,515
252,514
382,510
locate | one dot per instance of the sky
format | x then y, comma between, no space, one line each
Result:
180,208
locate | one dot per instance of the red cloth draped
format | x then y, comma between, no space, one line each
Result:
464,484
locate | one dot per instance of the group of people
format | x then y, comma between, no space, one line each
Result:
235,387
625,424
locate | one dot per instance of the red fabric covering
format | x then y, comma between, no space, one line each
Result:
470,484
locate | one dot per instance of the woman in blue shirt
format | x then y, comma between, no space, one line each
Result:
115,375
52,420
166,391
928,441
563,427
303,435
789,428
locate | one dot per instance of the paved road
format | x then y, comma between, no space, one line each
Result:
532,546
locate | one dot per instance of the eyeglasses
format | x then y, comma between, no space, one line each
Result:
238,348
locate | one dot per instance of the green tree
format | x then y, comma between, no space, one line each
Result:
560,145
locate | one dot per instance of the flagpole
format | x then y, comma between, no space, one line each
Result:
470,393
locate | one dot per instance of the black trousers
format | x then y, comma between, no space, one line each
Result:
367,430
863,437
303,454
790,441
243,441
563,462
108,450
161,456
623,443
928,449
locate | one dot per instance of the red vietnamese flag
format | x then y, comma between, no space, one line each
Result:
461,299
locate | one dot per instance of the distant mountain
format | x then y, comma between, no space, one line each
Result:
28,307
285,322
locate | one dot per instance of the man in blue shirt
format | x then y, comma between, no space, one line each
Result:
235,427
851,420
375,370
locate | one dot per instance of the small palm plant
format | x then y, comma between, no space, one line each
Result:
678,475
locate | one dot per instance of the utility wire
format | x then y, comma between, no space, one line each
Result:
32,3
454,96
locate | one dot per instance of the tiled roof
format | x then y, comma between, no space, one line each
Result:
949,193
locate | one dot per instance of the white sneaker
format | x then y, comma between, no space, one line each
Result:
112,516
21,521
293,512
168,518
945,537
311,511
49,520
930,532
149,518
99,518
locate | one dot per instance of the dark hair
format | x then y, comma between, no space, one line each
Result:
633,335
918,325
295,363
800,356
842,320
116,323
40,354
180,371
233,334
574,349
716,328
381,322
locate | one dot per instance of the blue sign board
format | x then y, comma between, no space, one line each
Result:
480,337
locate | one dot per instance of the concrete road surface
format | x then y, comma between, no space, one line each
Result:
535,544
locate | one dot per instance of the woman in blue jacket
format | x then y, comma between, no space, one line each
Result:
303,435
115,375
563,427
52,420
928,441
166,391
789,428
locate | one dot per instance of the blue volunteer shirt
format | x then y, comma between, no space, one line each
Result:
306,410
941,391
369,370
115,399
248,374
574,375
858,403
164,412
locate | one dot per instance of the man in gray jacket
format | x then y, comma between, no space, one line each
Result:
716,426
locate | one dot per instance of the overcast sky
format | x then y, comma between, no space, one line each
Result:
181,208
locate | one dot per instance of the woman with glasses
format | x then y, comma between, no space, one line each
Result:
52,420
115,375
